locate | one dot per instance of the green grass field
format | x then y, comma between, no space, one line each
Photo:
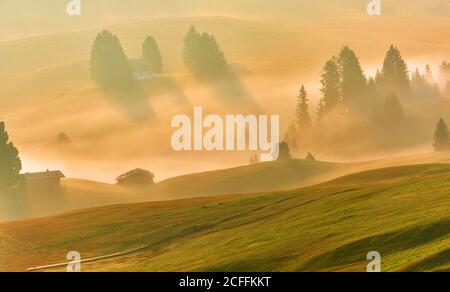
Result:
262,177
401,212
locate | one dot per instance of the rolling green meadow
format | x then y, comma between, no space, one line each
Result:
402,212
365,169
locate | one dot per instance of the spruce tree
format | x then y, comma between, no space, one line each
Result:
191,50
203,56
10,164
353,80
284,151
395,75
109,65
331,88
151,53
441,137
302,111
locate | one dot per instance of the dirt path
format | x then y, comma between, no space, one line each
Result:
60,265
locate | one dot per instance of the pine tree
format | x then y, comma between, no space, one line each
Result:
353,80
395,75
331,88
302,111
151,53
203,56
10,164
190,50
284,151
441,137
109,65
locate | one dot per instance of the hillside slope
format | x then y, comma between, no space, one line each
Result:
268,176
262,177
401,212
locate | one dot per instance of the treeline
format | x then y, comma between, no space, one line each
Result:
357,103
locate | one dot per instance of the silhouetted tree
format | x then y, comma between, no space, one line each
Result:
202,55
331,88
10,164
151,53
353,81
191,50
285,153
441,137
395,75
109,65
302,110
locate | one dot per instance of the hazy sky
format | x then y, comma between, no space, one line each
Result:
19,18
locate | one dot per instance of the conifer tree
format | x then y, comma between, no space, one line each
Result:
203,56
10,164
395,75
151,53
109,65
302,111
353,81
331,88
284,151
441,137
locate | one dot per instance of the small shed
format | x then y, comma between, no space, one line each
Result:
43,181
136,177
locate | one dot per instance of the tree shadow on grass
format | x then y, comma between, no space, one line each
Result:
132,101
233,94
165,85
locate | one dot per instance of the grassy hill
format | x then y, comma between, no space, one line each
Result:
276,176
268,176
401,212
262,177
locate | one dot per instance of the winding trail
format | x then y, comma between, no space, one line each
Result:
60,265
